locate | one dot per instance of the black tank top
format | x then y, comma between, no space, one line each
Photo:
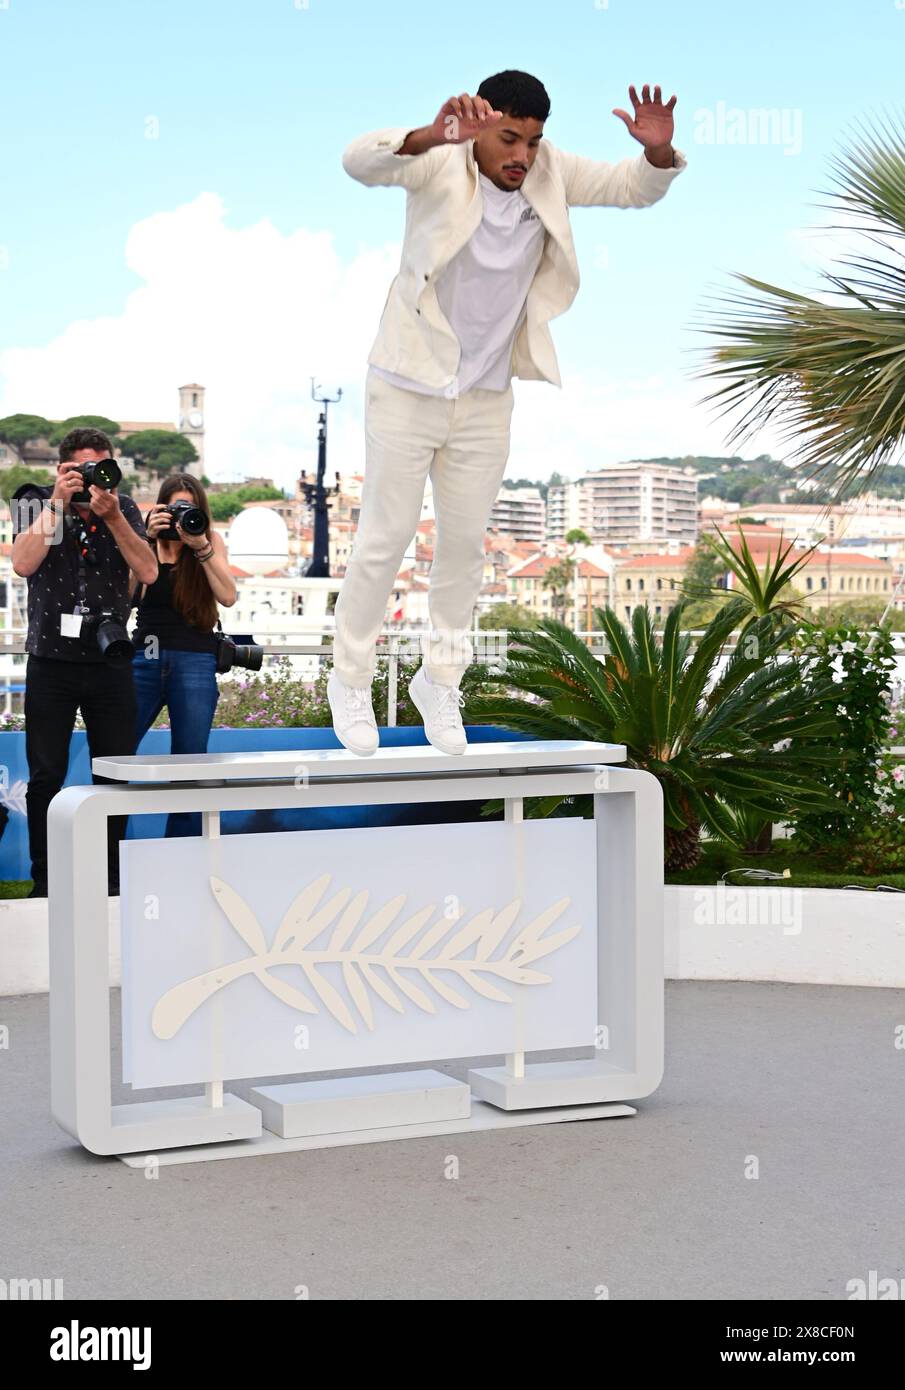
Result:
158,618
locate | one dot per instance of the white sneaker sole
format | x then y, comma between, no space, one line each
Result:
435,740
360,749
347,739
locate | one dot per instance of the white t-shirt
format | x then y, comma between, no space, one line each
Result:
483,291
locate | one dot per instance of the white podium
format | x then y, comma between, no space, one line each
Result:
522,936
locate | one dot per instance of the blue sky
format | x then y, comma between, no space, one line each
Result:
252,105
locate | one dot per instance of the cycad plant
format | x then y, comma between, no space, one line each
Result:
831,373
720,741
766,590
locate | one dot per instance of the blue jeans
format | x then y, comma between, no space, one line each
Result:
186,683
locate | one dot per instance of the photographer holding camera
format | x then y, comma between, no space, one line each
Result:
177,650
77,543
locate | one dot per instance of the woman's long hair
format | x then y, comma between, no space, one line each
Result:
192,596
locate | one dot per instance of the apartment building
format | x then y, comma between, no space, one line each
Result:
870,517
842,576
626,502
828,576
519,512
652,580
566,509
529,587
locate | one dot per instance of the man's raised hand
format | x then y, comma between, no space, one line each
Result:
462,118
68,482
104,504
652,124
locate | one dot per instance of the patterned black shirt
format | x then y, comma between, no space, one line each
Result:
53,589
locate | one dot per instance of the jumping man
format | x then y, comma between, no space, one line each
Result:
487,261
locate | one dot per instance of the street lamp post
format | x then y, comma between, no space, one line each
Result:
316,494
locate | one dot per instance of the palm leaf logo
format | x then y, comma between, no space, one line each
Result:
408,967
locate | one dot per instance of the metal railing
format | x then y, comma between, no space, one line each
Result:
398,645
489,645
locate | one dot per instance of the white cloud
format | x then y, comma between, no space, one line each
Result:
252,313
594,421
248,312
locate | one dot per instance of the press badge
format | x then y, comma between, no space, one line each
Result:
71,624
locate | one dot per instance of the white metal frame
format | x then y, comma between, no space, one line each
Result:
628,813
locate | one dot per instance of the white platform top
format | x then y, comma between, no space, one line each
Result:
320,763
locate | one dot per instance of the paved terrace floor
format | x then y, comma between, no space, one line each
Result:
806,1079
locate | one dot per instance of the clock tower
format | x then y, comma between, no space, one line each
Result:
191,422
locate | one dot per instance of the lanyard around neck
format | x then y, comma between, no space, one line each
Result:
84,534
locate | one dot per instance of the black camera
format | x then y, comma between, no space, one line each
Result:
248,655
105,473
110,634
191,518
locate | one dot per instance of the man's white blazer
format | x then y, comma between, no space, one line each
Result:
444,207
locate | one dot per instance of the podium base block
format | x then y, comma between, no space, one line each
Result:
482,1117
303,1109
553,1083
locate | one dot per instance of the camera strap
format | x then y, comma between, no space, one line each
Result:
83,535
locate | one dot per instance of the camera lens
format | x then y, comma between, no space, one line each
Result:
107,473
250,658
193,521
113,640
248,655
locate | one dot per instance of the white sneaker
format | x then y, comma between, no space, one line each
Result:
439,706
353,715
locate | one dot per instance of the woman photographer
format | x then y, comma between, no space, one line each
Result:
175,663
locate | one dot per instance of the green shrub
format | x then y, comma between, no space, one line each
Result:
858,666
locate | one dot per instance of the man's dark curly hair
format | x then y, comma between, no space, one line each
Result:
85,437
516,94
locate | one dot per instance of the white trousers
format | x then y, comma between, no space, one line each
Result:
461,443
